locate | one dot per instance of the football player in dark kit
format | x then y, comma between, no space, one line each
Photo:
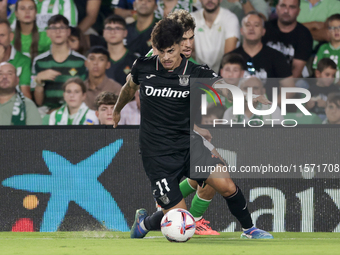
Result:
166,131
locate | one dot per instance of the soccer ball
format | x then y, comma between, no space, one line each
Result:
178,225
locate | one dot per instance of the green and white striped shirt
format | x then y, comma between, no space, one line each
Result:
48,8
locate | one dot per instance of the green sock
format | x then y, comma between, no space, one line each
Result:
198,206
185,188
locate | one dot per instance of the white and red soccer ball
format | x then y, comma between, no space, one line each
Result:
178,225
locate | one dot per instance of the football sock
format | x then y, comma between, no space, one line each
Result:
198,207
238,207
186,188
153,222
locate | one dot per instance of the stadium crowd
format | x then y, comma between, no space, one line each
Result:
63,62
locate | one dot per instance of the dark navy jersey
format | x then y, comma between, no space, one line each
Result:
165,98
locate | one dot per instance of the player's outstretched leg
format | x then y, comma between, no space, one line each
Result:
238,207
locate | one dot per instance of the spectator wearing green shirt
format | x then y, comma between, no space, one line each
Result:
313,15
51,69
21,62
47,8
332,49
15,108
27,39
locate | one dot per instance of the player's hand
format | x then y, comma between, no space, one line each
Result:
47,75
262,99
116,118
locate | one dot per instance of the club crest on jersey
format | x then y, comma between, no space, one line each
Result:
164,199
184,80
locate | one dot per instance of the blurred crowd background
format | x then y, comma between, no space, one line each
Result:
63,62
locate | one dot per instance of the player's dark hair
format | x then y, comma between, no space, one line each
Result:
217,110
233,58
58,18
83,45
76,80
99,50
6,22
184,18
252,13
333,17
166,33
115,19
334,98
105,97
34,32
325,63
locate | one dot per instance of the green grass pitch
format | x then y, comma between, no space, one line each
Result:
102,243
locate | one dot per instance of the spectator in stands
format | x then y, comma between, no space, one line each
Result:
87,13
289,37
21,62
77,41
242,7
74,111
27,39
121,58
258,89
123,8
262,61
81,43
164,7
213,112
332,109
313,15
322,86
48,8
105,103
217,32
232,70
52,68
139,32
15,108
97,62
332,49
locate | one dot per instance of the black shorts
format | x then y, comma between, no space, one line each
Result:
165,172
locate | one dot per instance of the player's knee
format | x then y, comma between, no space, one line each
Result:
206,193
224,186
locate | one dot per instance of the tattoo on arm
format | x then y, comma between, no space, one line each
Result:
126,94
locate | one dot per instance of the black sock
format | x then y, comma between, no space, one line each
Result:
238,207
153,222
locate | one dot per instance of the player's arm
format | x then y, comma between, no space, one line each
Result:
126,94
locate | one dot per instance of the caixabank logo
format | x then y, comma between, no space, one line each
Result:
71,182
